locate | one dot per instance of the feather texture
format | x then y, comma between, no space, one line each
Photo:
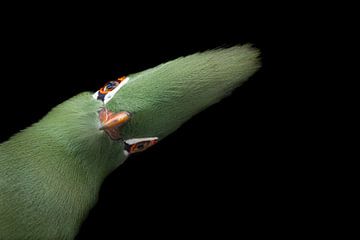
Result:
51,172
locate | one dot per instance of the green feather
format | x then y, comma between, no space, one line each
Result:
51,172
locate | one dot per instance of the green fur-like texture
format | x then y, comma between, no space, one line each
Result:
51,172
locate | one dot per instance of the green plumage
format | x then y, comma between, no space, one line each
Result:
51,172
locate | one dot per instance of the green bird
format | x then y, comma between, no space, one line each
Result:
51,172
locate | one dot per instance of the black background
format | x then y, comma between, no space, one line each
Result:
216,178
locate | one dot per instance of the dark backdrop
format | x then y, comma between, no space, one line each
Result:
218,179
